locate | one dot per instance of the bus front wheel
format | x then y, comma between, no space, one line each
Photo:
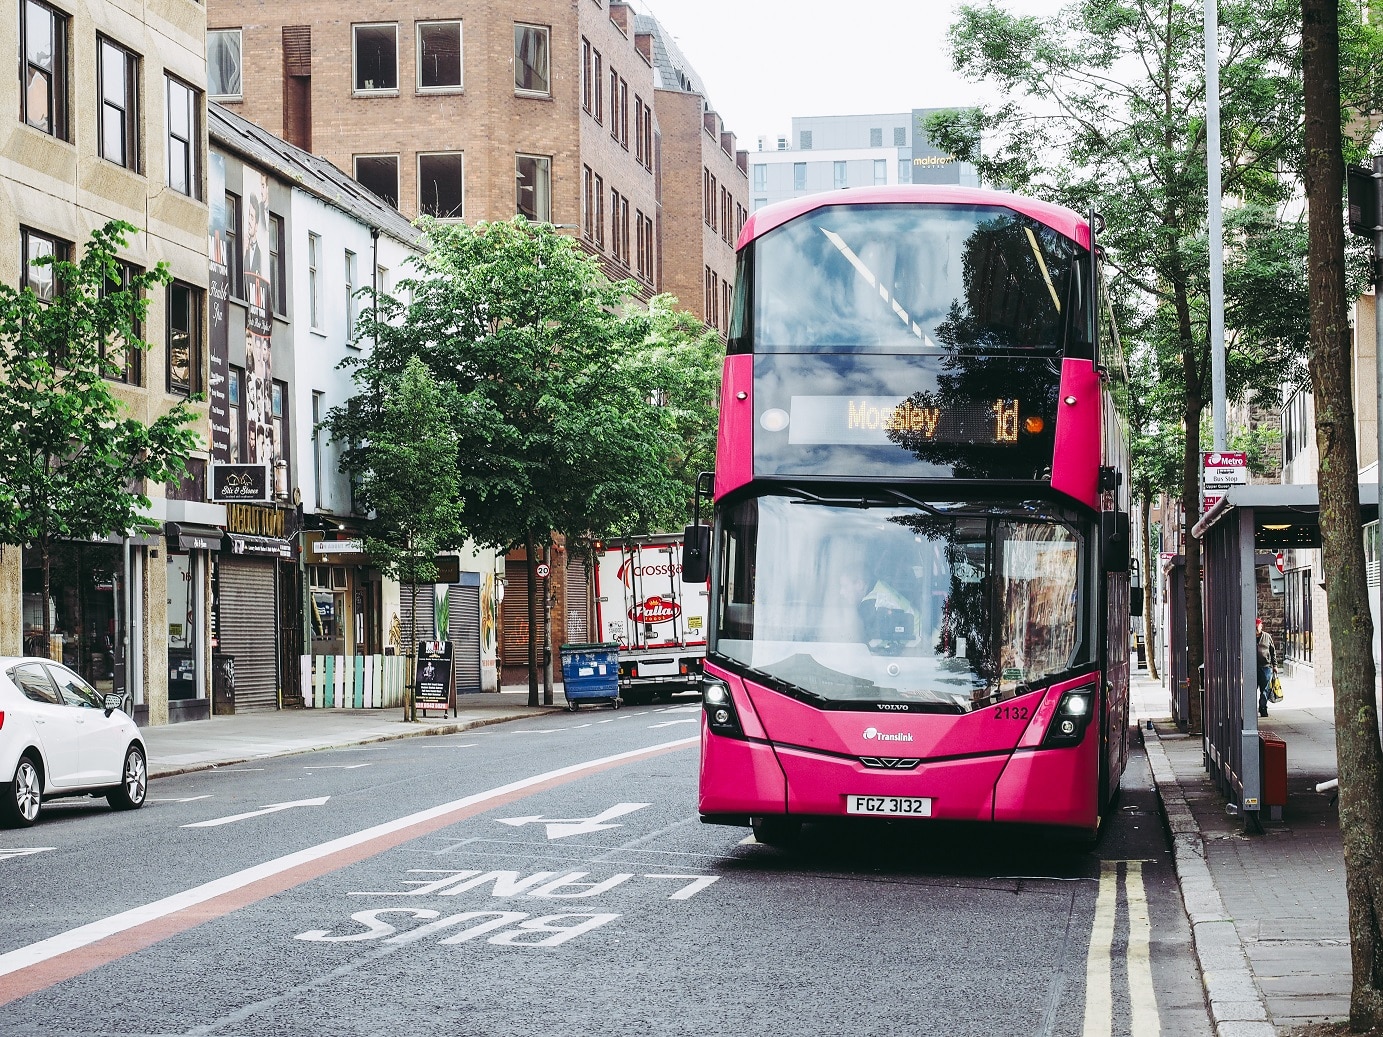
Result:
776,830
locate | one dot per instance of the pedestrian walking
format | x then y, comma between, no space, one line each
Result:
1267,663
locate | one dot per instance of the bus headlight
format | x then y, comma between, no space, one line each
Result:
719,707
1072,717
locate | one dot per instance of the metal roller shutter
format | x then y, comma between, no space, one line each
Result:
578,600
247,612
418,625
465,636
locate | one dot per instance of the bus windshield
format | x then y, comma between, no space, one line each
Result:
903,278
937,606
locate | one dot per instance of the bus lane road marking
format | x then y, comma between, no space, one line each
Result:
1099,972
272,808
22,851
43,964
564,827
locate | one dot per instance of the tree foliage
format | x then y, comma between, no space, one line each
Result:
75,460
1108,109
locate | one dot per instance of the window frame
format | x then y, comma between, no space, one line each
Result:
541,162
61,252
348,259
459,212
235,250
128,107
314,286
447,88
238,95
56,75
192,164
194,338
372,91
278,265
355,166
132,371
543,32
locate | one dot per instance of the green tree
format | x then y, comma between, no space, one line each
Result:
555,425
1358,751
75,461
1108,109
401,452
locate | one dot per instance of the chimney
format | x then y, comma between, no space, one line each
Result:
643,42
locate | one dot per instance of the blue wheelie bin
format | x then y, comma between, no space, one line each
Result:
590,673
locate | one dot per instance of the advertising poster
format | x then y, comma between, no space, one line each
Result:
218,327
434,675
258,402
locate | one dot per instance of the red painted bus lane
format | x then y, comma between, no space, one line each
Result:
40,965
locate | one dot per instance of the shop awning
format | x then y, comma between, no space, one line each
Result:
188,536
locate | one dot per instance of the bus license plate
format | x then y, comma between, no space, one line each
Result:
889,806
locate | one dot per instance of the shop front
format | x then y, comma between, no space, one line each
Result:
255,594
191,548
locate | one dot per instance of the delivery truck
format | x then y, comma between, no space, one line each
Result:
658,621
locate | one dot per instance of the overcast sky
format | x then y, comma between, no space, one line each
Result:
790,58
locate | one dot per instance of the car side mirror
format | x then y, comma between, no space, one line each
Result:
696,554
113,701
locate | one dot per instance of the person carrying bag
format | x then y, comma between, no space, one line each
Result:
1269,686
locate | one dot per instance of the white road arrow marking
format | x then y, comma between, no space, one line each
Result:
175,799
561,828
674,723
22,851
271,809
335,766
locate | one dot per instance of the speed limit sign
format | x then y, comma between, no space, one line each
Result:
542,570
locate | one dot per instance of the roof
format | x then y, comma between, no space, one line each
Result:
1301,500
1058,217
671,69
310,172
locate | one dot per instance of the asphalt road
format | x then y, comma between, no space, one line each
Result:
550,876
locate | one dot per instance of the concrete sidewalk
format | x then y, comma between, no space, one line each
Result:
201,744
1268,912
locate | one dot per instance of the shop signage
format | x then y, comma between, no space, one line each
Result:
338,547
253,520
432,680
239,482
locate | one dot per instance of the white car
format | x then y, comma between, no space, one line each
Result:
60,737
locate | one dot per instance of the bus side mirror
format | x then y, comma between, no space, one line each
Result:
1135,601
1114,540
696,554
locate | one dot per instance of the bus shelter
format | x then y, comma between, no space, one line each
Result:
1245,523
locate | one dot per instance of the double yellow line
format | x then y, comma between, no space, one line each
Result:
1099,972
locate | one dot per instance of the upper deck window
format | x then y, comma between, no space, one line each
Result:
908,278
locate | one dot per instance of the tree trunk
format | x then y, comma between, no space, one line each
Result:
45,554
1148,584
1360,757
410,700
1191,502
531,548
547,626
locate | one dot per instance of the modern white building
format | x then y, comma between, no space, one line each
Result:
831,152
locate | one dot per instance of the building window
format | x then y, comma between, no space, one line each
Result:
804,140
439,55
900,136
223,80
184,165
599,211
350,297
278,405
623,229
184,338
881,171
234,411
43,71
376,57
905,171
839,175
876,137
531,59
317,416
41,278
235,259
380,174
598,80
644,228
118,71
587,203
799,176
533,187
314,284
125,361
761,177
278,264
638,129
759,203
623,121
587,68
706,301
614,104
439,185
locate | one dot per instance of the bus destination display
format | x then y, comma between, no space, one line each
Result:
887,420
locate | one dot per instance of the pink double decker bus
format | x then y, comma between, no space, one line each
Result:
919,554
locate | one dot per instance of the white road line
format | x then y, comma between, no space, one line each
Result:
176,799
85,935
23,851
1142,999
1099,1007
273,808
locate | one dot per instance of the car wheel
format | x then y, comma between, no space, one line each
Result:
134,782
23,795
